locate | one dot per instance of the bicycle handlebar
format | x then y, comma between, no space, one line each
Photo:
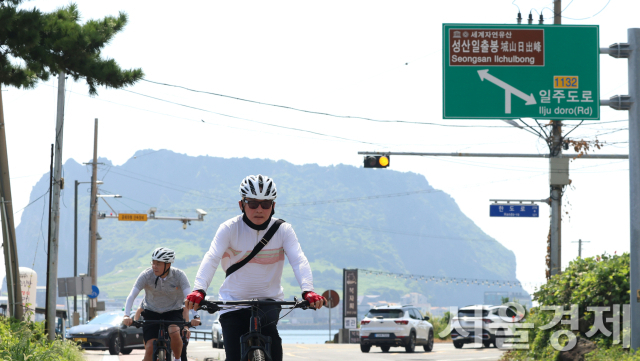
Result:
214,306
142,323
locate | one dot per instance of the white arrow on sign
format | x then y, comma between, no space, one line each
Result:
508,90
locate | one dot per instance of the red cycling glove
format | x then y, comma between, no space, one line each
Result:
312,297
196,296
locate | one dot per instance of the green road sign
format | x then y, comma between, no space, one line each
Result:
522,71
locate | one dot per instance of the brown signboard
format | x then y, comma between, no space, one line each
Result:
496,47
350,293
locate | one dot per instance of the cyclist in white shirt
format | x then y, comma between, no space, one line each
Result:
260,277
164,290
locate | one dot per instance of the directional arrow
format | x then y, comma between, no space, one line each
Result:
508,89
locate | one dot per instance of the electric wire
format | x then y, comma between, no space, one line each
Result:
310,111
438,279
250,120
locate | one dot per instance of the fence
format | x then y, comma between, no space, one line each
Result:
201,335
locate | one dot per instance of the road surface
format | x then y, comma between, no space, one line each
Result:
202,351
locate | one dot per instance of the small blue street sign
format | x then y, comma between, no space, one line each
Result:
95,292
514,210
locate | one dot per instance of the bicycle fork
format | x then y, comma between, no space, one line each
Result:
254,340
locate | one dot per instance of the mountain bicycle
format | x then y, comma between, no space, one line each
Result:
162,346
253,345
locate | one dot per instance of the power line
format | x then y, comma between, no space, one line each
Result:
317,112
297,215
189,119
448,280
249,120
35,200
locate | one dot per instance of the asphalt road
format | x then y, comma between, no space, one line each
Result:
202,351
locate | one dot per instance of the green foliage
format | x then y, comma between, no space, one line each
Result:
21,341
34,44
441,324
595,281
614,353
19,34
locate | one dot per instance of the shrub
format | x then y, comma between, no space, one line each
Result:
596,281
21,341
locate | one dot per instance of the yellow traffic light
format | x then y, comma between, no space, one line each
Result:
376,161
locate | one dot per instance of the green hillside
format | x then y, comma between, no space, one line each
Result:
344,216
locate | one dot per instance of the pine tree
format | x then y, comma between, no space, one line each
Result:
34,45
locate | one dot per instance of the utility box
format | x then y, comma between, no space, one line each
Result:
558,171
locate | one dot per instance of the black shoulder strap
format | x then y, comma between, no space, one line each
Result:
263,242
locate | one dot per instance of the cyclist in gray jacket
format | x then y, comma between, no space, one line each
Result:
165,288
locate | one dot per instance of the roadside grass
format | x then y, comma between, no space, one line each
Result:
21,341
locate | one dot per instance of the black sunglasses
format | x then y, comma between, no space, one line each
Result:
254,204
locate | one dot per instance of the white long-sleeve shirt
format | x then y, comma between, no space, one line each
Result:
260,278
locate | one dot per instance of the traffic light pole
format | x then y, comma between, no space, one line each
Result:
631,102
634,181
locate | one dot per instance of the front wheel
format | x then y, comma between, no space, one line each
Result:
385,348
365,348
162,355
429,346
258,355
411,346
126,351
457,344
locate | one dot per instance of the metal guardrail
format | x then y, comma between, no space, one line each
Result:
203,337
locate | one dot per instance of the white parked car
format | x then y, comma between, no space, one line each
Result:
482,323
217,339
393,326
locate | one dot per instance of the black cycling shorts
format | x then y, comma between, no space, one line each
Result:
151,331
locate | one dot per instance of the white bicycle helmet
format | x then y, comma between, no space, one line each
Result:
258,187
163,255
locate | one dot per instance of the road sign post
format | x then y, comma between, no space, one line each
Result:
332,301
534,71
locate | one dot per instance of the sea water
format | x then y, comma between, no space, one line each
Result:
305,336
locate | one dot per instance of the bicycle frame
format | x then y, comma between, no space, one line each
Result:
164,341
253,340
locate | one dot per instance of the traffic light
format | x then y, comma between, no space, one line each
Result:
377,161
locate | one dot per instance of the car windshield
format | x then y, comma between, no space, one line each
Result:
111,318
385,313
472,313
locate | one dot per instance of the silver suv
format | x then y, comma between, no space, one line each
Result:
392,326
482,323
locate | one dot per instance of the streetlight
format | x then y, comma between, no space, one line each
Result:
75,245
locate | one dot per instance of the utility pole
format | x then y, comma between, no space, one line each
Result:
631,102
634,180
75,250
8,229
93,222
579,242
555,240
54,226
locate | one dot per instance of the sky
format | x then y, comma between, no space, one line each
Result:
374,59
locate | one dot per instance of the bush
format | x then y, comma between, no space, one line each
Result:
440,324
595,281
21,341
